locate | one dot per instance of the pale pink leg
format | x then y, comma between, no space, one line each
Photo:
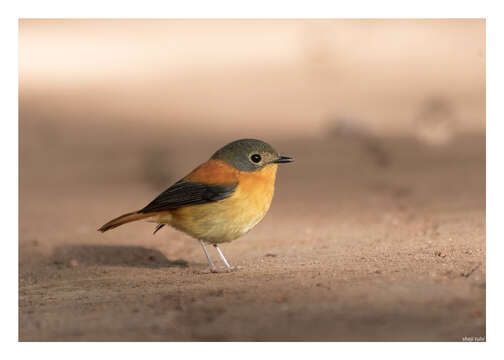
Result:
222,256
210,262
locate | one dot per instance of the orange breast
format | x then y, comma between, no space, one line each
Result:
256,190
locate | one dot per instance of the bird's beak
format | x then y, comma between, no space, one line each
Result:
283,159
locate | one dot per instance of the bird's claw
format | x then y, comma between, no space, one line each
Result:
220,270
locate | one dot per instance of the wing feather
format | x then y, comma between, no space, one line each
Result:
186,193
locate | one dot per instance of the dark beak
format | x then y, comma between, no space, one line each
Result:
283,159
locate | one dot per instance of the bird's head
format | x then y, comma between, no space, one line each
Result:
249,155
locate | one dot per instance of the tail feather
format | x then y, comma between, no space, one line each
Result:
123,219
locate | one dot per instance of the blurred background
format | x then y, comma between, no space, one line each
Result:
85,84
385,118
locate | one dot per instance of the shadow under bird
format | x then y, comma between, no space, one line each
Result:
220,200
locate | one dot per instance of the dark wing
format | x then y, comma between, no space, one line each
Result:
185,193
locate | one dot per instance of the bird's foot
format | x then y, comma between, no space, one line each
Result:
219,270
209,270
232,268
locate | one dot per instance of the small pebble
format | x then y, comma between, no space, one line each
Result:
73,263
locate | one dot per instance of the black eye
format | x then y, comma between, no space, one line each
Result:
256,158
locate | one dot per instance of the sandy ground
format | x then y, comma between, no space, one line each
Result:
366,239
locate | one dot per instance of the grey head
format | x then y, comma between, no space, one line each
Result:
249,155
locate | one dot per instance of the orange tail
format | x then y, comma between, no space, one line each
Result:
123,219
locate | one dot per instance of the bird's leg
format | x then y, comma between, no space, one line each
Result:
210,262
222,256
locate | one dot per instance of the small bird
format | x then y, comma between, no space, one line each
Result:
220,200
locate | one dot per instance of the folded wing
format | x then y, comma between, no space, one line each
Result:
186,193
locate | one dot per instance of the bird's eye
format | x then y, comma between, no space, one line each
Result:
256,158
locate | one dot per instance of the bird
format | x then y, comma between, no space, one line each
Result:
220,200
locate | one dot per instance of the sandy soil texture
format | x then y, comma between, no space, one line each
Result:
366,239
